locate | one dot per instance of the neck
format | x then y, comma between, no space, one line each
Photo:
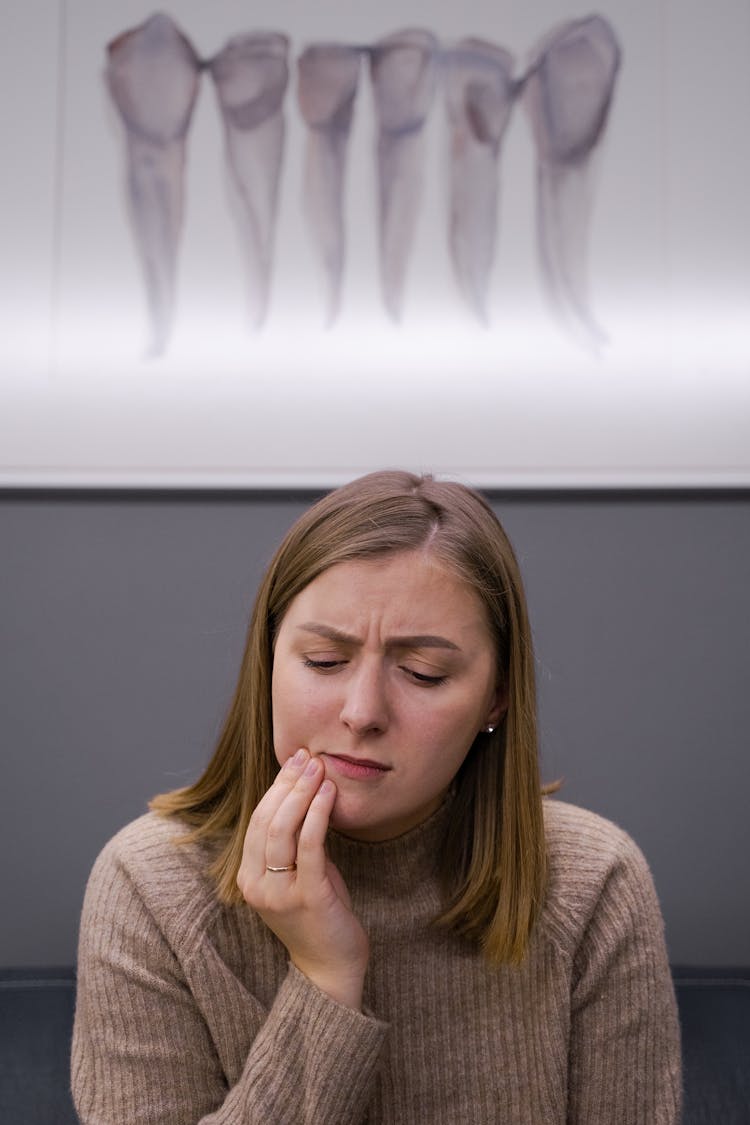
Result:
396,866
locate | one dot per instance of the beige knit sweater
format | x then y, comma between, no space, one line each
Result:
188,1010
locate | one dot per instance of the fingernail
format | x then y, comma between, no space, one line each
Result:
295,761
312,768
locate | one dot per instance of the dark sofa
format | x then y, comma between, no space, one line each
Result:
36,1014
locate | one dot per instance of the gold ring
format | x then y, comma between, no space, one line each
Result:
289,867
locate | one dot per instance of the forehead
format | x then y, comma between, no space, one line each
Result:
410,590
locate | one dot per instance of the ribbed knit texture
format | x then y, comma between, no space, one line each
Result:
189,1012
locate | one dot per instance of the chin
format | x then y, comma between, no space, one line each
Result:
346,820
352,823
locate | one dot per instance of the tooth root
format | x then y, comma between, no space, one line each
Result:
480,93
328,75
568,94
251,75
153,75
403,70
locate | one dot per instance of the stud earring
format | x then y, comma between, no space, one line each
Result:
490,729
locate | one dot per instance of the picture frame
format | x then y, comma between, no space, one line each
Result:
657,396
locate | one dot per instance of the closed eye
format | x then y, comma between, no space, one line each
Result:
421,678
322,665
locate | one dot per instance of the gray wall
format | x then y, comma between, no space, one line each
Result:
122,618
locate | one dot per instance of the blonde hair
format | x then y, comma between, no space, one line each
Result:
493,864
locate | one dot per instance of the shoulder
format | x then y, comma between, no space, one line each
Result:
149,862
593,865
576,837
151,843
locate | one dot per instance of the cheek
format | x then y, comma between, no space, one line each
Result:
283,713
298,712
447,736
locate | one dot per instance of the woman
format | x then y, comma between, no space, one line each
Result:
365,910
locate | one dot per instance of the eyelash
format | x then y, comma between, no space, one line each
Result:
331,665
321,665
426,681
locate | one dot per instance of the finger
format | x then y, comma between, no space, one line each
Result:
254,847
286,823
311,854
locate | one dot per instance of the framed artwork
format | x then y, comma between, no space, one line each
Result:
283,245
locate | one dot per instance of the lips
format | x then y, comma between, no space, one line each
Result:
358,768
359,761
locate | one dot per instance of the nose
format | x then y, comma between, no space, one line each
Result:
364,709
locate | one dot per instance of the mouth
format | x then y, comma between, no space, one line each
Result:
358,768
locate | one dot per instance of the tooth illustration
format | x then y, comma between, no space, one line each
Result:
153,75
403,70
251,76
568,92
480,92
327,86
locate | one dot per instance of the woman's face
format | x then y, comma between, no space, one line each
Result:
385,670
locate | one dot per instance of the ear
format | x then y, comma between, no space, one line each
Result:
499,707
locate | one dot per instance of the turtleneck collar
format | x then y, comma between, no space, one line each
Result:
393,867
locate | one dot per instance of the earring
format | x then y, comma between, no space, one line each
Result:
489,729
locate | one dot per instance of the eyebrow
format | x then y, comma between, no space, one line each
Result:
420,640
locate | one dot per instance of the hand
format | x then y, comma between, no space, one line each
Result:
308,909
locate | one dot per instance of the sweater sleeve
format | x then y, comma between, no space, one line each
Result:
624,1061
143,1051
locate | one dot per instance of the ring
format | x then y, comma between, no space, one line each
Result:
289,867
